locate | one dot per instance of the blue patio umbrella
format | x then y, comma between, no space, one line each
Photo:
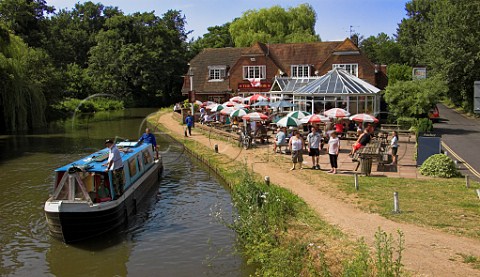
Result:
282,104
261,103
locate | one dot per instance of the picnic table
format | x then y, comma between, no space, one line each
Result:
375,150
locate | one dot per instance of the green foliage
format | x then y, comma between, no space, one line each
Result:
412,31
275,25
414,98
88,106
439,165
381,49
387,261
27,19
406,122
137,57
216,37
424,125
398,72
22,99
443,35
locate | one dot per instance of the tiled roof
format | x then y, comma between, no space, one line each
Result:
211,57
315,53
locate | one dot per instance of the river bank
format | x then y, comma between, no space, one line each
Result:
427,252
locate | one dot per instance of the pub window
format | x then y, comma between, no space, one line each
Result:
351,68
300,71
217,73
257,72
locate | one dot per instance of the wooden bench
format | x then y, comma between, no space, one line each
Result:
372,151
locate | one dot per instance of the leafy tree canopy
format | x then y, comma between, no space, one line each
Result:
216,37
26,18
381,49
414,98
275,25
398,72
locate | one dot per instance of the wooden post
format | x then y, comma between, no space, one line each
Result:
216,148
355,176
267,180
467,181
478,193
396,203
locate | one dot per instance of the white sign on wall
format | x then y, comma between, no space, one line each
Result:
419,73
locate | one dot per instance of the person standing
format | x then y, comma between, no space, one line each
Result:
148,137
333,150
114,163
296,145
314,139
280,139
394,147
189,122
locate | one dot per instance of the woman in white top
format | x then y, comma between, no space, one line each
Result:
394,147
333,149
296,145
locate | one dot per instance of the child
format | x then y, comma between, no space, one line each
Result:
333,149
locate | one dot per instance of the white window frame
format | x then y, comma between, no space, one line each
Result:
351,68
254,71
300,70
217,73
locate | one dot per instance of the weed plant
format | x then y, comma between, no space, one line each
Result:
71,105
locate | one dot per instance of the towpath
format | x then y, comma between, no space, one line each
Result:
427,252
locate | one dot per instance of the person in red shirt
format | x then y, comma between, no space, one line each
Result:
339,128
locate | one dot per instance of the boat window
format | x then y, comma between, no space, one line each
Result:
140,162
132,166
147,157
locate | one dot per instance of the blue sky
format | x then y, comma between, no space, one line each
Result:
334,17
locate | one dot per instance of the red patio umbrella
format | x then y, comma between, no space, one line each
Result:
336,113
315,118
258,97
255,116
363,117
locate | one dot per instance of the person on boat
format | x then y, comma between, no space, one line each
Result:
148,137
115,164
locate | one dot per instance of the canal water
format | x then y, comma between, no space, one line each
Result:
177,235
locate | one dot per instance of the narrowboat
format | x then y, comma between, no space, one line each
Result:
84,205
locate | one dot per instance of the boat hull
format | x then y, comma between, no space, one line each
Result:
73,221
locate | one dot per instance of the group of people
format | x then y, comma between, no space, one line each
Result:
314,143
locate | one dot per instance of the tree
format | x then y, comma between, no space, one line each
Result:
217,37
275,25
381,49
452,49
414,98
71,34
26,74
26,18
411,32
140,57
398,72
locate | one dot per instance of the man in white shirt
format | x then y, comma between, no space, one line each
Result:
115,164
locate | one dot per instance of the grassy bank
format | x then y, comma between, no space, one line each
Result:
282,236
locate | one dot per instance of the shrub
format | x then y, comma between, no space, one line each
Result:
406,122
439,165
424,125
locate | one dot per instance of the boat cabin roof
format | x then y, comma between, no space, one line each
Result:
94,162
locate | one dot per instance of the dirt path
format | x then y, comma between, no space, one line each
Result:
427,252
